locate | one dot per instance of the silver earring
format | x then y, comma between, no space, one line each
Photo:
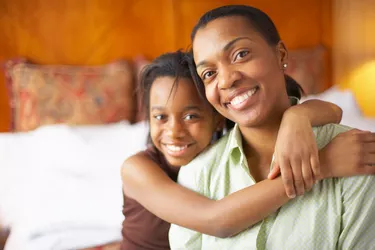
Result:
293,100
285,65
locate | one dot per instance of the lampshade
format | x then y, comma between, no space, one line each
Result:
354,50
362,83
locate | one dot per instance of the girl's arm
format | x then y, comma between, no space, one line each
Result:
319,112
296,151
144,181
351,153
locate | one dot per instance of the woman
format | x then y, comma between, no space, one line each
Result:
242,70
181,126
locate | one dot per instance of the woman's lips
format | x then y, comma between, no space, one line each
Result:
242,100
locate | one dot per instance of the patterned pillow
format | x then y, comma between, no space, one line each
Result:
307,67
75,95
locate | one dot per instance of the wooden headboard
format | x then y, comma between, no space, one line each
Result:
90,32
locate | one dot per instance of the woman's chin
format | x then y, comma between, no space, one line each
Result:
249,119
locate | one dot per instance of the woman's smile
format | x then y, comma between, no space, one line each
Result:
242,100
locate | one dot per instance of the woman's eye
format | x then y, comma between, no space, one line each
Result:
208,74
241,54
159,117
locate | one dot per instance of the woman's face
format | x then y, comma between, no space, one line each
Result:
181,123
242,73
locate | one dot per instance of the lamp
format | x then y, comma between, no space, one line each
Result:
354,50
362,83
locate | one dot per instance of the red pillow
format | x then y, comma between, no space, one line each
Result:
50,94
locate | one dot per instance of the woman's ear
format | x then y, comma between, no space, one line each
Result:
282,53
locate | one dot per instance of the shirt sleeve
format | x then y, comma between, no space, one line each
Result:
181,238
358,213
325,134
358,203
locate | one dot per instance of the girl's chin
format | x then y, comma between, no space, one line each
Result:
177,162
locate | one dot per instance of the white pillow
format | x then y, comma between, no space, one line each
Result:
65,178
352,115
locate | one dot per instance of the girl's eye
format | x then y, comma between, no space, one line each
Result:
208,74
190,117
241,54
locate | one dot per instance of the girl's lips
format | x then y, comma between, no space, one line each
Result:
176,150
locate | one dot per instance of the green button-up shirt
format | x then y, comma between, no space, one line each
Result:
338,213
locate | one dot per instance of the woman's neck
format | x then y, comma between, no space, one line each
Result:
259,145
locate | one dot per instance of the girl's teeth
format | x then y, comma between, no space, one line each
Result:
175,148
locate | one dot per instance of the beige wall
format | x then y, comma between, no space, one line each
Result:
99,31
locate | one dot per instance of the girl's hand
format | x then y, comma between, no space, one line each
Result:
296,154
349,154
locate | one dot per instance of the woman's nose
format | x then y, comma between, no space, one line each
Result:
228,77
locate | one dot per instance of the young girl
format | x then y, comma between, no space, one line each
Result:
182,125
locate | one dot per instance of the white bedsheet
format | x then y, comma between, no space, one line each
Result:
345,99
60,187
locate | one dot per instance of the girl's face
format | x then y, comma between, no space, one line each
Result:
181,123
242,73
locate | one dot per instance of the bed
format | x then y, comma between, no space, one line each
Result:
60,185
70,115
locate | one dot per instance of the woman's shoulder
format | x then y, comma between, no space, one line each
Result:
325,133
211,156
331,129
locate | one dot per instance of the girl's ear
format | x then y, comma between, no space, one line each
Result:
219,122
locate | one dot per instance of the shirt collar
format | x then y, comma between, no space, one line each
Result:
235,139
235,146
235,143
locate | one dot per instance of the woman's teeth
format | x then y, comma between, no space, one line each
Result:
241,98
174,148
